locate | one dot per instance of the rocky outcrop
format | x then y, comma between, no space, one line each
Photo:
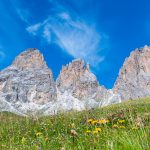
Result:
27,86
28,80
134,77
77,79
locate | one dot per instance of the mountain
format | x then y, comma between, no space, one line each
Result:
27,86
134,77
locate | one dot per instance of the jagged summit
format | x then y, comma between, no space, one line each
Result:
77,79
30,59
134,77
27,81
28,85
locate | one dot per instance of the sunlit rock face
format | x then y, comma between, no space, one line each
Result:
134,77
76,79
28,87
27,80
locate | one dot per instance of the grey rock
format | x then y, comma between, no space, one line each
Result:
134,77
77,79
27,80
28,87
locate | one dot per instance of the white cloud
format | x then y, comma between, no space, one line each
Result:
23,14
47,33
34,28
64,16
73,35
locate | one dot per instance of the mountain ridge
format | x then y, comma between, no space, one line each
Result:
28,87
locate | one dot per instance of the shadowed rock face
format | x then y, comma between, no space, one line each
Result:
134,77
28,79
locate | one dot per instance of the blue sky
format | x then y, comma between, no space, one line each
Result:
102,32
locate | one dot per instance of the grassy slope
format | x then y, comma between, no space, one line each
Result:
53,132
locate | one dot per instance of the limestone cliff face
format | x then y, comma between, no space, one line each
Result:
27,80
134,77
77,79
27,86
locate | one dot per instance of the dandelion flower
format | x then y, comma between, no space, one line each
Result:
38,133
103,121
73,125
122,127
87,131
121,121
89,120
98,129
94,122
95,132
115,126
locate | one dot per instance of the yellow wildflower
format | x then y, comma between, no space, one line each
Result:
115,126
95,132
121,121
98,129
72,125
94,122
122,127
38,133
103,121
90,120
87,131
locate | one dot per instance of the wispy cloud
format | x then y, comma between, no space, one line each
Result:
34,28
72,34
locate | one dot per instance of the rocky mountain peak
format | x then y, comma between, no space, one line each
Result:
146,48
28,80
134,77
77,78
28,84
30,59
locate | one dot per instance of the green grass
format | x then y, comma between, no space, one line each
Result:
54,132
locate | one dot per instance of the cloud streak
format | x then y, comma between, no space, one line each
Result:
72,34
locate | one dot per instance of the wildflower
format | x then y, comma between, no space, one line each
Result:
115,126
23,140
87,131
73,125
121,121
122,127
121,115
103,121
94,122
98,129
73,132
95,132
38,133
90,120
